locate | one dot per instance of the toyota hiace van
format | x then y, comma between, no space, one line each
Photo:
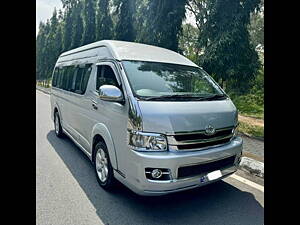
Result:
145,116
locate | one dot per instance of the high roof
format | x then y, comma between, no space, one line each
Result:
122,50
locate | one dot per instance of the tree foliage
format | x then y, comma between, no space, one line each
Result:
104,22
188,41
89,22
77,25
163,22
225,41
222,42
124,29
256,26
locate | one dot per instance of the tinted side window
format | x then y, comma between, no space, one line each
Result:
64,78
59,78
55,76
105,75
85,79
69,73
82,78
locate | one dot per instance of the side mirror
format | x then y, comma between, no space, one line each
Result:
110,93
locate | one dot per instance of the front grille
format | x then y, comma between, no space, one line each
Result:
203,145
196,136
198,140
190,171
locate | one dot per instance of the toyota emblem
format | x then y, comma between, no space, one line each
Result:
210,130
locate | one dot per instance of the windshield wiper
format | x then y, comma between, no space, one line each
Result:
174,97
185,97
216,97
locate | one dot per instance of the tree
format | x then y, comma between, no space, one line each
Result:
140,20
256,26
77,25
67,30
125,11
188,42
104,22
40,43
163,23
45,50
225,42
89,22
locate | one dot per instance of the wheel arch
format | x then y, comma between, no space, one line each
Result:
56,109
101,133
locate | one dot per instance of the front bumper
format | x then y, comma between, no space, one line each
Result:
135,173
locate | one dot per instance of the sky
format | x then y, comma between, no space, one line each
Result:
44,10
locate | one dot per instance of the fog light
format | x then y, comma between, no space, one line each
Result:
156,173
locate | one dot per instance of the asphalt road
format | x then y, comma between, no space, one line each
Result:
67,191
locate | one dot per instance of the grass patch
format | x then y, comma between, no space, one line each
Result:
249,105
251,130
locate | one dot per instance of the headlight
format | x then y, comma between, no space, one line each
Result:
141,141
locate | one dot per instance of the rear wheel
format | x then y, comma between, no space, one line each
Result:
57,126
103,168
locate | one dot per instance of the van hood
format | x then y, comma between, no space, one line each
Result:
169,117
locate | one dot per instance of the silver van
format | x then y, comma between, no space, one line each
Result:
145,116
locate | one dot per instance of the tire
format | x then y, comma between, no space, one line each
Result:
57,126
102,166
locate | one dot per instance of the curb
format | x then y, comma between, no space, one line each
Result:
252,166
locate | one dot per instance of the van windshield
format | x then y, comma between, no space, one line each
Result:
159,81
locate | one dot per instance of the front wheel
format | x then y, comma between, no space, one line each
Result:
57,126
103,168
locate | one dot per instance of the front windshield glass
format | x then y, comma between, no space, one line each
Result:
154,79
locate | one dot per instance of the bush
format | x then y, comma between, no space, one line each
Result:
252,103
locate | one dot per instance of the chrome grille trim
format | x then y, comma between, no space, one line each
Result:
172,140
174,144
198,131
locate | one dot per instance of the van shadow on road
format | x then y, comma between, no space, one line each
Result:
219,203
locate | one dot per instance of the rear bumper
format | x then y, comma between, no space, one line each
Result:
136,179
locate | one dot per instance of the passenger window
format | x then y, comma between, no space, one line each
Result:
82,78
85,79
55,76
69,73
65,78
59,78
78,79
105,75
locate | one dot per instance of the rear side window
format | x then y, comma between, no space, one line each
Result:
82,78
55,76
69,75
72,78
64,78
59,78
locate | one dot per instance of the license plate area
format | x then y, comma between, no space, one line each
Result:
211,176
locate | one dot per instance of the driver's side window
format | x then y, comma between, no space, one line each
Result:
105,75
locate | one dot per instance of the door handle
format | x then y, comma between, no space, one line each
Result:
94,104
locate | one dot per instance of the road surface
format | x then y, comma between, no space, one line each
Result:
67,191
